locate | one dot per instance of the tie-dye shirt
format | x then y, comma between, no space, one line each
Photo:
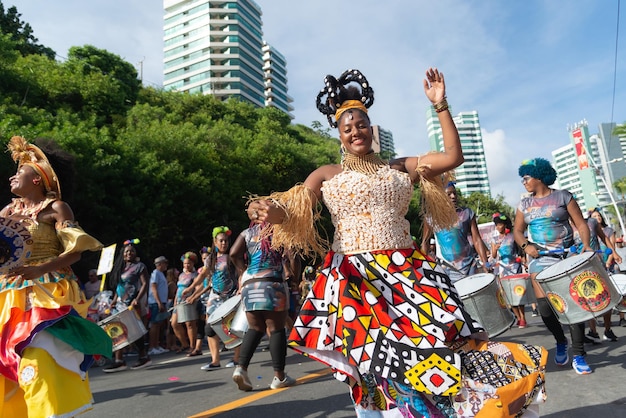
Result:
454,243
548,220
508,258
223,280
261,265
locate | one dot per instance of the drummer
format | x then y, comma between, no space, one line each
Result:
459,244
265,296
621,268
507,255
598,239
546,212
222,285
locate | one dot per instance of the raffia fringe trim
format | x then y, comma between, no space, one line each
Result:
436,205
298,231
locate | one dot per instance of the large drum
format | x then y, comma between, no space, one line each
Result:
579,288
620,281
517,289
124,328
239,324
223,318
186,312
484,301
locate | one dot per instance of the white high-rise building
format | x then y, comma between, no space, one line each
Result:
214,47
565,163
589,166
472,175
275,70
383,142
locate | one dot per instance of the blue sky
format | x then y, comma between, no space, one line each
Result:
529,68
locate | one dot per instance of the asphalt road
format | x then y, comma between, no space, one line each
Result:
176,387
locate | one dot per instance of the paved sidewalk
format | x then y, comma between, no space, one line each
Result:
601,394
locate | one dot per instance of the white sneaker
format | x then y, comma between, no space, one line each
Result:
163,350
154,352
286,382
240,376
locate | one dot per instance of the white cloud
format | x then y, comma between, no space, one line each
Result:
503,161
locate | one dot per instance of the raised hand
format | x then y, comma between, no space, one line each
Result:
434,85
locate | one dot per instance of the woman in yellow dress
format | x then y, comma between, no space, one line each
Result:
46,345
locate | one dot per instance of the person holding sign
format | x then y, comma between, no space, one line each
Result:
47,345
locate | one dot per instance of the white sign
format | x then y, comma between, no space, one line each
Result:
106,260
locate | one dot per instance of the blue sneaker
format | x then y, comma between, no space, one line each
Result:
561,358
580,366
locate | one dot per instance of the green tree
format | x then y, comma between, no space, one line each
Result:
620,186
21,33
89,60
165,167
485,207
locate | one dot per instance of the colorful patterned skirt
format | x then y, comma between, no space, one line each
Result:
393,327
46,349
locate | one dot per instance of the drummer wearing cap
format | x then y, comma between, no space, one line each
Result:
546,212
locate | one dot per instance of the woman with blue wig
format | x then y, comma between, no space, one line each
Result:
546,212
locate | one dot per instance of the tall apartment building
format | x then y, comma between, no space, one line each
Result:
565,163
472,175
275,76
589,165
611,153
216,47
382,142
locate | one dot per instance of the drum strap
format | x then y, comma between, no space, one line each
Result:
264,279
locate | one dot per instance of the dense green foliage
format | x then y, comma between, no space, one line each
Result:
161,166
165,167
21,33
485,207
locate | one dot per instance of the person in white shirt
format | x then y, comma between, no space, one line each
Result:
92,287
157,303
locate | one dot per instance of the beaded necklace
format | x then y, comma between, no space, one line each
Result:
365,164
19,208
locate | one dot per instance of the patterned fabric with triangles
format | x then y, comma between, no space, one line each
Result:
391,315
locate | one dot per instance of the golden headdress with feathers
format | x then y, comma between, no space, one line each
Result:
25,153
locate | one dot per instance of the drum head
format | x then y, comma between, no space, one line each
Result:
472,284
564,266
620,282
224,309
15,244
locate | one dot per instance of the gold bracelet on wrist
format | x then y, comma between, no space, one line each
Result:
524,245
441,105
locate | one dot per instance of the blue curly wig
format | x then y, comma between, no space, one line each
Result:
538,168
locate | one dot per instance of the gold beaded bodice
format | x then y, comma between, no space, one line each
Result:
368,210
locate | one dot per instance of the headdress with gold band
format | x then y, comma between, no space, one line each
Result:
335,89
25,153
347,105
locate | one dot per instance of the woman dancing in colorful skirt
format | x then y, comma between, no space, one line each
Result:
383,316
